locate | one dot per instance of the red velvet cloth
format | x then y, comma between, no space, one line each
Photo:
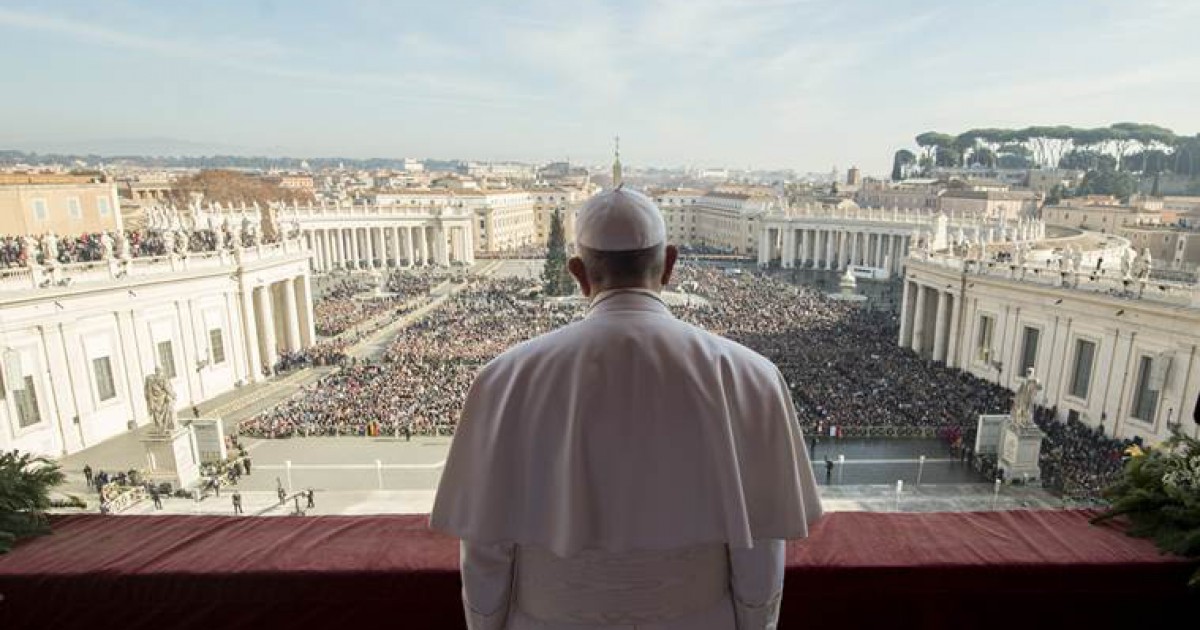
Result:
998,569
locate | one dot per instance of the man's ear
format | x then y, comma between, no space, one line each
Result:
579,272
672,254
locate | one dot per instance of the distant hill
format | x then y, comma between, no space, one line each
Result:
9,157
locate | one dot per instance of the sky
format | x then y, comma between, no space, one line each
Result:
801,84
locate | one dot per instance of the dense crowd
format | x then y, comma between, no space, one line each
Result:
422,379
841,362
1078,461
348,302
335,316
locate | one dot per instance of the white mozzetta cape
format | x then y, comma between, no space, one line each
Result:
627,431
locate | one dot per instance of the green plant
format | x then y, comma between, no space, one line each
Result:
1159,494
25,484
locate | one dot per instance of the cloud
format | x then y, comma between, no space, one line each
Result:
265,58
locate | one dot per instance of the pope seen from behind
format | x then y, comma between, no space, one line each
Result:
629,470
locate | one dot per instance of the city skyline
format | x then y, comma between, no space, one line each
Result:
768,84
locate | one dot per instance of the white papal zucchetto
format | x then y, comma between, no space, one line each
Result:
619,220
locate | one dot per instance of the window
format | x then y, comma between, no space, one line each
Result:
166,358
27,404
73,208
39,210
983,345
102,371
1145,399
1081,376
1029,348
102,206
216,346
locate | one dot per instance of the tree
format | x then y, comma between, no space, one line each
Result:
232,187
556,280
1107,180
903,158
25,484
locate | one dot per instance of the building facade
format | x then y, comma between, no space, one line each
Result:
61,208
75,358
1100,217
721,220
1117,356
997,205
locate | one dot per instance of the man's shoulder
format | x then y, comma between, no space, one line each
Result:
697,342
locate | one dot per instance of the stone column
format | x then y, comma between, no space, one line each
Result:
939,328
412,246
786,256
440,246
326,244
291,317
764,254
919,321
830,247
468,245
397,250
266,315
250,328
895,246
952,342
854,248
803,247
352,249
308,330
380,252
905,319
409,257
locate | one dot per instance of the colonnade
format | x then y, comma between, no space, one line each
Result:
375,247
929,320
277,317
834,247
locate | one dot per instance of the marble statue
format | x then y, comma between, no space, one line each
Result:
1022,408
1127,264
106,246
49,248
123,246
182,241
29,250
168,240
1141,265
160,400
1076,258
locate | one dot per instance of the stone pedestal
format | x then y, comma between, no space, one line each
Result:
210,440
1019,451
989,433
172,457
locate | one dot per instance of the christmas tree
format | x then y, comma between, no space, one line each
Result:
555,278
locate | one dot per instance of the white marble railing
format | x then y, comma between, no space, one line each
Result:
1106,280
113,269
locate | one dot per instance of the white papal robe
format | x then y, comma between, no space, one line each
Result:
626,471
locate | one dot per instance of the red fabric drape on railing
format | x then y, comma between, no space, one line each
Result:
1020,569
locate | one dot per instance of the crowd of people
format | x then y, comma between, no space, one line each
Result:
841,362
1078,461
421,381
